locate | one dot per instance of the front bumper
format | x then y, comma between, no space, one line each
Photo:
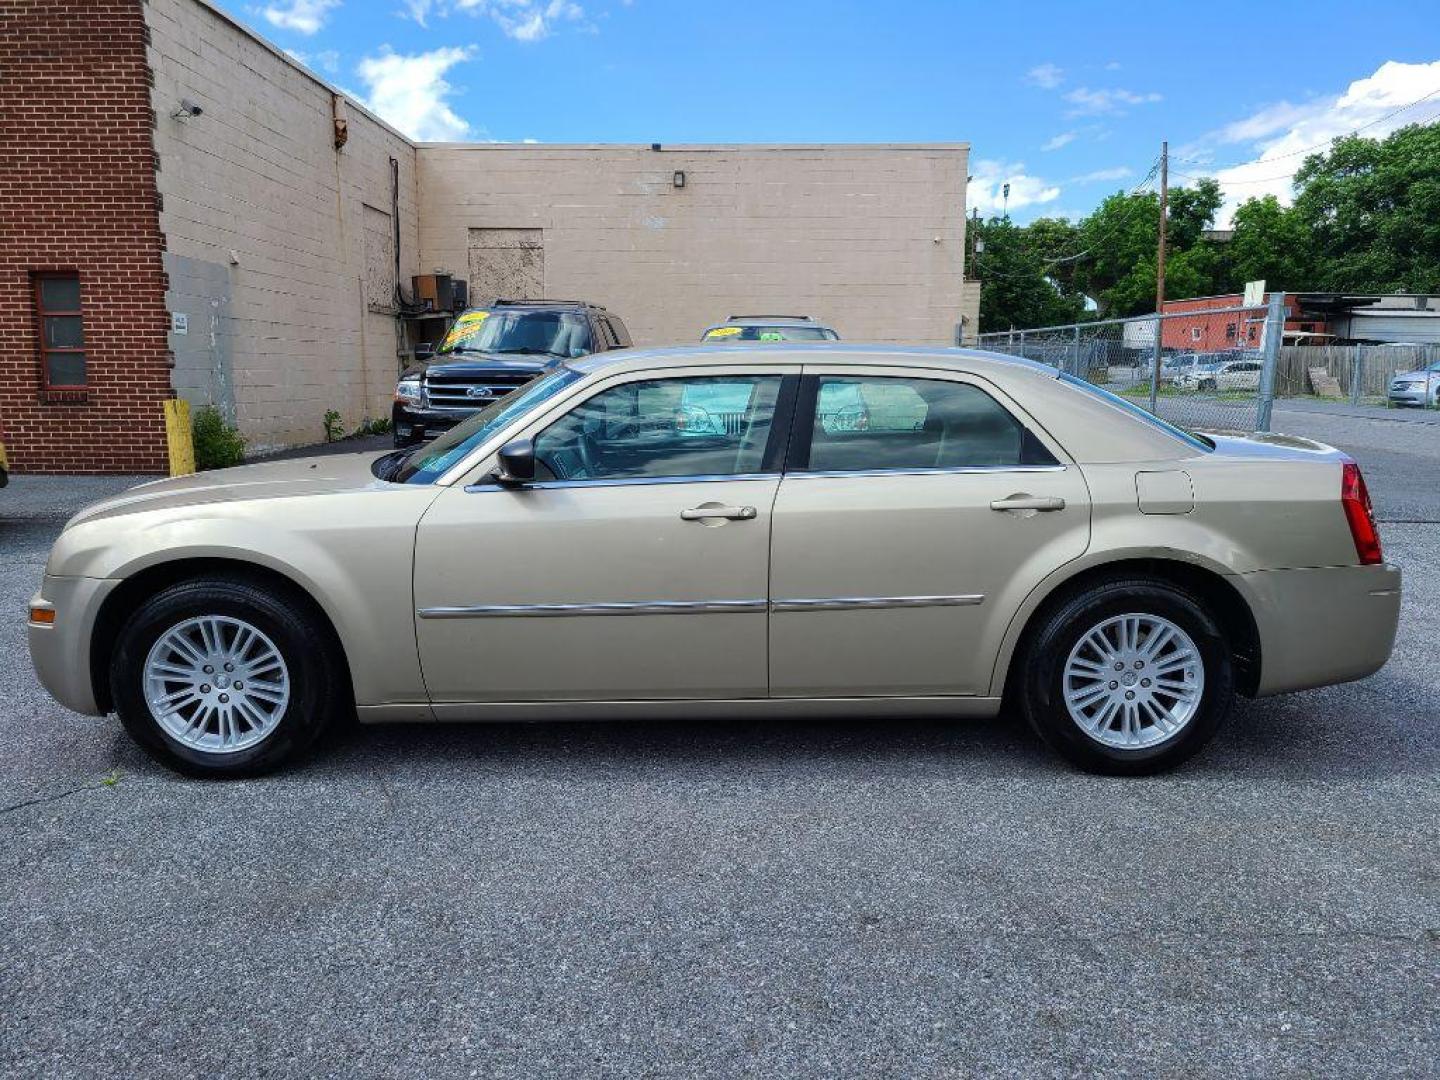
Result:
417,425
60,650
1409,395
1323,626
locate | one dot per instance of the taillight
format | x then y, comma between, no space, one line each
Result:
1356,500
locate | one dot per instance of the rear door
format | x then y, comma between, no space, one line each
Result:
917,510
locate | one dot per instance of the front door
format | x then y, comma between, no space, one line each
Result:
916,514
635,567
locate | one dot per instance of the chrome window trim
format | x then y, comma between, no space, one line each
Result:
868,603
958,470
534,611
625,481
695,607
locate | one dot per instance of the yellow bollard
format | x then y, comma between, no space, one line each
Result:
179,437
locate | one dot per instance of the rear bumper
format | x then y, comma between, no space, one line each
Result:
60,650
1323,626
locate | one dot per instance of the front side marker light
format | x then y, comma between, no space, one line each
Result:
44,616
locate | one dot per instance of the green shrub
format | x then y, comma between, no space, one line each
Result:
217,444
378,426
334,426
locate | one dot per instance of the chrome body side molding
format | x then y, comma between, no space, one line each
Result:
693,607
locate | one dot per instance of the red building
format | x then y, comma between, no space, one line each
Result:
1210,328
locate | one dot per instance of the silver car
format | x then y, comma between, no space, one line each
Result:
775,531
1420,388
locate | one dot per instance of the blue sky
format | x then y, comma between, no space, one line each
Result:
1066,101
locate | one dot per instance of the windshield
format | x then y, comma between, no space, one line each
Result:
1136,411
538,333
723,334
427,463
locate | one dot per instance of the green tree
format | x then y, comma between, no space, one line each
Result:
1270,244
1370,211
1016,283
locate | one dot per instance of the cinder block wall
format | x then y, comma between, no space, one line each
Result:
278,245
77,194
870,238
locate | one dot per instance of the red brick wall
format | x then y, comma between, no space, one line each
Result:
77,192
1177,332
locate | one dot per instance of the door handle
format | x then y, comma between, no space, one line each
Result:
1043,503
734,513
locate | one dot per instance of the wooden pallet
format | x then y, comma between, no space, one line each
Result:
1325,384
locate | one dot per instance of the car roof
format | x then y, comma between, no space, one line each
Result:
800,352
767,320
539,305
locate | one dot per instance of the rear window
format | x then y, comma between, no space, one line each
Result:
723,334
1199,442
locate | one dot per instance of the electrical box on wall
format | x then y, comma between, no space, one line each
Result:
434,291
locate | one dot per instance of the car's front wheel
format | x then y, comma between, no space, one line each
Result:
1127,677
224,677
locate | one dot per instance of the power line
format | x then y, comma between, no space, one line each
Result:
1327,142
1051,264
1266,161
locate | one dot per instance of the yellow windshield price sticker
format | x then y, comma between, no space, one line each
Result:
724,331
466,327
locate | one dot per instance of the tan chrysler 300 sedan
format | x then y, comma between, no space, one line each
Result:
721,532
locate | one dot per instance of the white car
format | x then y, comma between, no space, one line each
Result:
1232,375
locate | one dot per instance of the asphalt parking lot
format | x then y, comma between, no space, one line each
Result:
886,898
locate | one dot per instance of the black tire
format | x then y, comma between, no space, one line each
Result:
317,688
1207,384
1040,679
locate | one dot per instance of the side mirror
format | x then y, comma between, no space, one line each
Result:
517,463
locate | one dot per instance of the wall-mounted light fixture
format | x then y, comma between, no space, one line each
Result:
679,178
186,109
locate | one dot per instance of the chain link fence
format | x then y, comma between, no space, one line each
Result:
1213,374
1361,374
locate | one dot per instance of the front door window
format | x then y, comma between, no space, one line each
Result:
660,428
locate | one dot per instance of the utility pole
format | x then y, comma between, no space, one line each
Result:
1164,207
1160,277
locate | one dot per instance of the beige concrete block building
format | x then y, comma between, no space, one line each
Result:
868,238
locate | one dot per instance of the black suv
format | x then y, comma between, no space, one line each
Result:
491,350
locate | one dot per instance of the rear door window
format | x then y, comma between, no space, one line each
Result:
870,423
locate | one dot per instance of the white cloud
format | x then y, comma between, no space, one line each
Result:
1118,172
302,16
411,92
1089,102
987,187
1065,138
1048,76
327,60
525,20
419,10
1280,135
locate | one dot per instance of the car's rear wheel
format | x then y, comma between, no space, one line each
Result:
1127,677
1207,384
223,677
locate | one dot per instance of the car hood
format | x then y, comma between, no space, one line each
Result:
1418,376
268,480
488,364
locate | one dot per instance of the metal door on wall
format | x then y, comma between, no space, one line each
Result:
507,263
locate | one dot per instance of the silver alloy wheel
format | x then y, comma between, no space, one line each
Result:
1133,681
216,684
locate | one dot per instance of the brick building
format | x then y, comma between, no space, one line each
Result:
187,210
83,357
